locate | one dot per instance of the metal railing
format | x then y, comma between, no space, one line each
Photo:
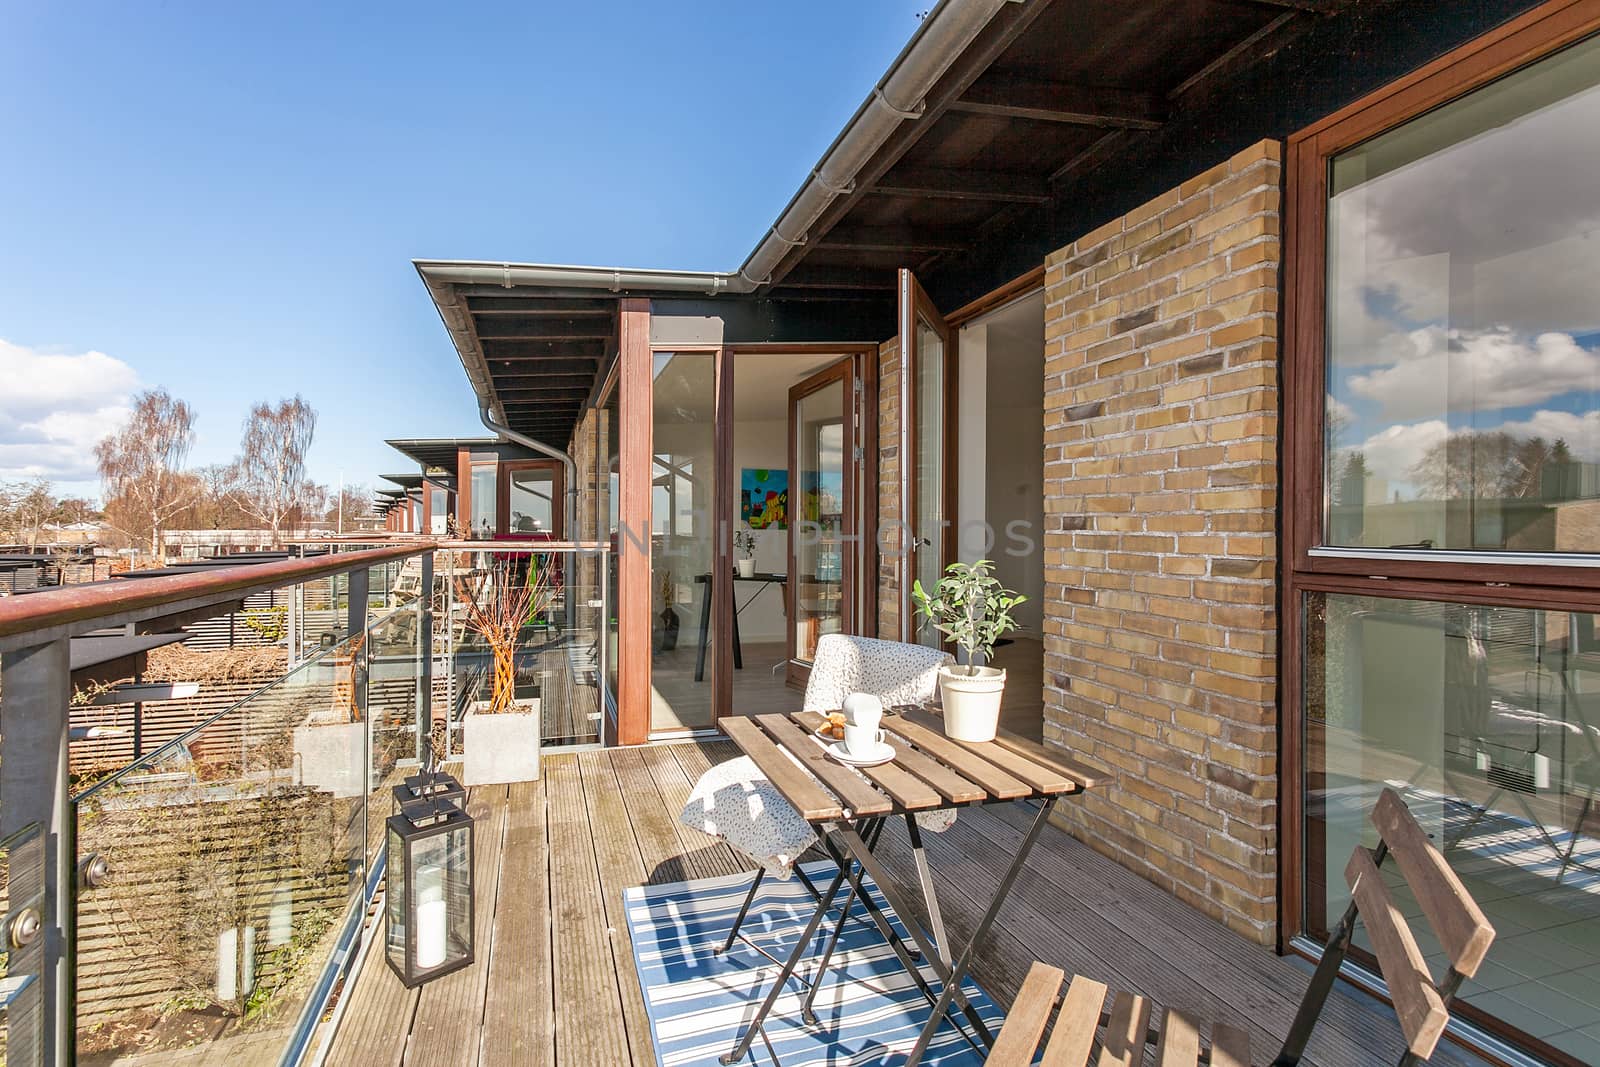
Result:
212,891
209,891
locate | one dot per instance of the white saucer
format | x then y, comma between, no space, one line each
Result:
884,754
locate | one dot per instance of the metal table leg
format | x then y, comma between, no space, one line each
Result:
955,975
823,904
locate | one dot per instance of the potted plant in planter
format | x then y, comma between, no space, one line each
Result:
744,540
970,606
501,734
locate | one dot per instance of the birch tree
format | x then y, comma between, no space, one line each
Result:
272,461
141,465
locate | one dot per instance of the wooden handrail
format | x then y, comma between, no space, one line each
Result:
68,609
518,545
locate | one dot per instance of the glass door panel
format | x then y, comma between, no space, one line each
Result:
822,442
1486,720
929,347
682,540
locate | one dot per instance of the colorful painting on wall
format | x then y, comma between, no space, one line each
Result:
764,498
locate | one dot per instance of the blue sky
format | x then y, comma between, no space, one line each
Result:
224,199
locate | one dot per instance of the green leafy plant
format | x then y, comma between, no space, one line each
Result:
271,623
970,607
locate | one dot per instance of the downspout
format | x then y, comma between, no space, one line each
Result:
570,478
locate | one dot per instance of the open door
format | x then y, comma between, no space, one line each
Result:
823,534
927,429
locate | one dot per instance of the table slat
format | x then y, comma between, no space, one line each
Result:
933,742
912,791
1043,779
1055,759
810,800
856,792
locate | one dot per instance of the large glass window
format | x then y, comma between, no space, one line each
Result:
1463,322
681,539
1487,720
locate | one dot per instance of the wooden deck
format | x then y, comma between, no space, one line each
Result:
554,982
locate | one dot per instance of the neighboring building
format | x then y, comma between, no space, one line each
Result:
1264,338
483,488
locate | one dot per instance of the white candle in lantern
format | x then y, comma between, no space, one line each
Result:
430,915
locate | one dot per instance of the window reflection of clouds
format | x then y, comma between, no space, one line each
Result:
1464,304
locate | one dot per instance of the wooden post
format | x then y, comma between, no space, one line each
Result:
636,459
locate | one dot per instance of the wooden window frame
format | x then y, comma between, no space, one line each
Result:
1483,578
915,304
502,507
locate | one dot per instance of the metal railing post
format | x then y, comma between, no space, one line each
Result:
35,788
425,661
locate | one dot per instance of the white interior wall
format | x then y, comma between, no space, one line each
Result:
1000,469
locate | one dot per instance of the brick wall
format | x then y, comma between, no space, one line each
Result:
1160,490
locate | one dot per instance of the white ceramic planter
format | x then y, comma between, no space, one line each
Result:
747,568
971,702
501,748
330,753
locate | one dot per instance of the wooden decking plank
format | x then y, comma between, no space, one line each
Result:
997,782
448,1028
377,1020
1040,777
811,800
655,829
588,1004
620,868
705,858
857,793
519,1006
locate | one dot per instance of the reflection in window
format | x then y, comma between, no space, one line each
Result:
532,502
1463,392
1487,721
483,498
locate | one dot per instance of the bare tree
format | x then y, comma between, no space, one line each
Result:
349,507
221,503
25,508
141,464
272,461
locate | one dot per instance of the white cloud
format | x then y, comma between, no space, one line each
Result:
1581,432
1393,452
1434,371
55,407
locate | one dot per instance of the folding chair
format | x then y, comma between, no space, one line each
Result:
1423,1005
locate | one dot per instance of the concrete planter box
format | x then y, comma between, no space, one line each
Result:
501,748
331,753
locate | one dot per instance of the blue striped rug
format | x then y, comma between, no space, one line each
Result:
869,1010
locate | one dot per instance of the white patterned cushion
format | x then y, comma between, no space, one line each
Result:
736,802
893,671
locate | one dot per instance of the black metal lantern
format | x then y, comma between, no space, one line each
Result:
429,785
429,904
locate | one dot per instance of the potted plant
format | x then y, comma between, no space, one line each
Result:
970,607
744,540
501,734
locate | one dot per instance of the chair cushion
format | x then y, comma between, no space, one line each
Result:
735,802
893,671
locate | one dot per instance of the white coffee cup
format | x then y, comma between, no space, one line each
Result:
862,741
862,709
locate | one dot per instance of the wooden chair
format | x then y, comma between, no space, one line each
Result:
1423,1006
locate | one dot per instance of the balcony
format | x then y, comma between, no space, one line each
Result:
210,893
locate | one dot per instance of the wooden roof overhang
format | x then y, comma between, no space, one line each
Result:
1050,91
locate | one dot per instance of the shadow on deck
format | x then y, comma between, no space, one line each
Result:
554,982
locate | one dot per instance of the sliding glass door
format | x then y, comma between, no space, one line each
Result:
1444,511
